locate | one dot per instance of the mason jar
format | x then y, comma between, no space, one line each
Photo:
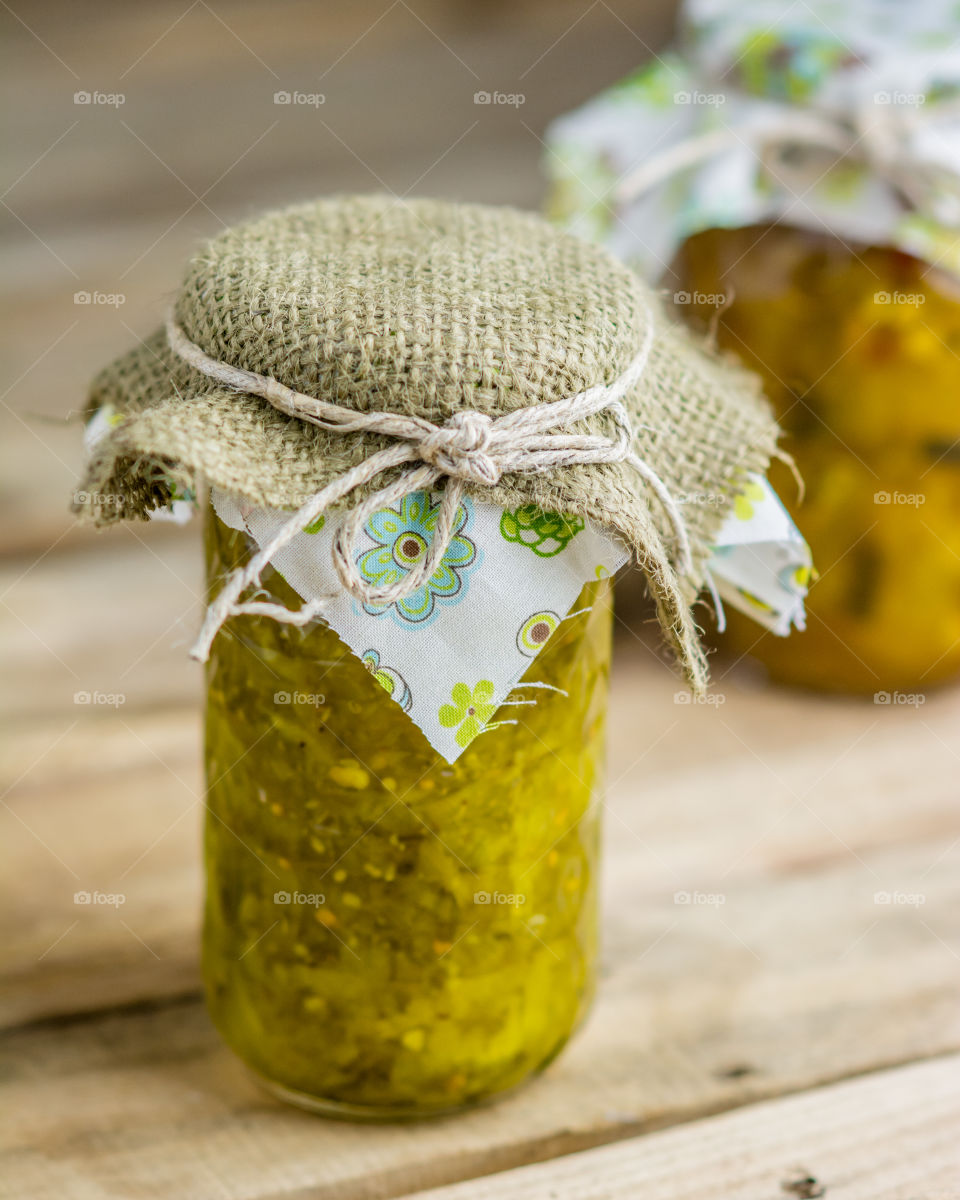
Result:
388,935
859,349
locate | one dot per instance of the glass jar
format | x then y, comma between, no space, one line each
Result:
859,349
388,935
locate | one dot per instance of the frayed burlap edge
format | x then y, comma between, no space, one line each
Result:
700,422
138,468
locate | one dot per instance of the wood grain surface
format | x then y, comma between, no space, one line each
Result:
889,1136
781,970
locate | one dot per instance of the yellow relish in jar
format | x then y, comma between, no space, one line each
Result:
429,435
388,935
859,349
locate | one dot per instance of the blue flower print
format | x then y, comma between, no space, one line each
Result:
402,539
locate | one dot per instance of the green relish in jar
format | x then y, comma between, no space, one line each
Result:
428,434
388,934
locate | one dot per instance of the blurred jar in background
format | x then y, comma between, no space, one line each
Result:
859,350
795,184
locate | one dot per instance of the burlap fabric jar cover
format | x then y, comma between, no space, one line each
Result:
428,309
397,927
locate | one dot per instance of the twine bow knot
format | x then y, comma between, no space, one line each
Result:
470,448
462,448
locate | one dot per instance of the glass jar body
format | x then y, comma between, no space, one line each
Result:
859,350
386,935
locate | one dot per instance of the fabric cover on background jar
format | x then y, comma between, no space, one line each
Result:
790,176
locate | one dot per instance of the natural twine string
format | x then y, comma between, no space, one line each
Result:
470,448
882,139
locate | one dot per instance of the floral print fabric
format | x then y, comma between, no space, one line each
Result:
760,562
451,652
892,66
402,537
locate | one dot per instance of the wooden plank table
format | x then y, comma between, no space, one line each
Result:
778,1010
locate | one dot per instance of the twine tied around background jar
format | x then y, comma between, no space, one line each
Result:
886,141
470,448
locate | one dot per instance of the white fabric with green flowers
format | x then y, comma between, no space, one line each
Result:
887,71
760,563
454,651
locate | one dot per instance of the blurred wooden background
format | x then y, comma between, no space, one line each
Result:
110,198
798,812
